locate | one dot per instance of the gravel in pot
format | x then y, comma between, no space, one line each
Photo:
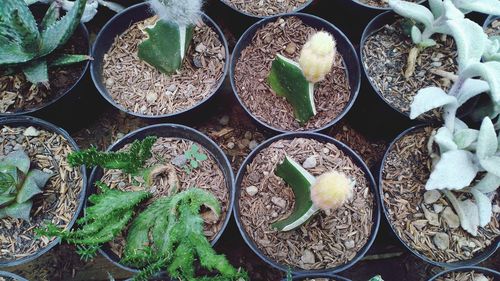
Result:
331,241
472,273
60,200
267,8
252,61
425,221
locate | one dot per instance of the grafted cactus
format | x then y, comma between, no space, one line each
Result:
18,185
169,36
25,45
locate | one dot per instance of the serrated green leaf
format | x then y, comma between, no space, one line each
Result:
454,170
7,182
69,59
37,72
51,16
32,185
6,199
17,211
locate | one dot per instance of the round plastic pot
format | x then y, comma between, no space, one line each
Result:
488,252
486,271
489,20
344,47
257,17
169,131
26,121
6,274
49,109
118,25
329,276
359,4
356,159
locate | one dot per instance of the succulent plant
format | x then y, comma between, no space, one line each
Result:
90,8
18,185
329,191
295,81
25,45
170,34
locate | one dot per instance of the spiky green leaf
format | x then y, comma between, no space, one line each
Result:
37,72
32,185
69,59
51,16
17,158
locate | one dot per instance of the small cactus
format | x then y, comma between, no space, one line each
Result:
317,55
331,190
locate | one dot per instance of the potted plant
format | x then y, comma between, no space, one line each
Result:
470,273
7,276
298,196
159,59
37,185
161,169
264,9
402,55
44,62
273,73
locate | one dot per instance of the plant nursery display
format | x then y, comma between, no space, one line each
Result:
41,55
472,273
159,203
289,76
299,199
37,185
266,8
169,42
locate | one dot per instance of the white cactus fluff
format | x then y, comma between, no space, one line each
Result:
183,13
317,56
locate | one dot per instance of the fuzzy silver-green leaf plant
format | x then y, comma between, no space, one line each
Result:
492,52
25,45
489,7
91,7
169,35
18,185
295,80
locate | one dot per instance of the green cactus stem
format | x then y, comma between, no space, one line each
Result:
166,45
287,80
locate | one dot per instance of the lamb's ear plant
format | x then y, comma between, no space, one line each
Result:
326,192
170,33
25,45
295,80
18,185
90,8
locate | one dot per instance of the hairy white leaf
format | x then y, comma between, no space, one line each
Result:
471,88
470,39
416,35
115,7
454,170
413,11
483,204
444,138
489,7
489,72
436,8
488,183
465,137
428,99
492,52
487,142
467,211
491,164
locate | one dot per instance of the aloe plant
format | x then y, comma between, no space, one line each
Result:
25,45
295,81
312,194
18,185
90,8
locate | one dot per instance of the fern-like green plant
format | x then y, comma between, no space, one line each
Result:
25,45
18,185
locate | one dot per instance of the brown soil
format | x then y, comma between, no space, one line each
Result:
333,237
494,28
266,7
7,279
128,78
208,176
252,69
379,3
385,56
17,94
464,276
57,203
405,173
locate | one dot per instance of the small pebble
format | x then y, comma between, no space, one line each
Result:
431,196
431,217
172,88
253,144
280,202
437,208
326,150
179,160
310,162
307,257
252,190
248,135
349,244
436,64
151,97
291,48
451,219
441,240
200,48
224,120
31,132
230,145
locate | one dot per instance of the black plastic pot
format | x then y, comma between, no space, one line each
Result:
486,271
488,252
344,47
31,121
173,131
330,276
6,274
50,108
357,160
119,24
257,17
489,20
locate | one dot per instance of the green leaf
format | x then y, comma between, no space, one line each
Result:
37,72
6,199
287,80
17,211
201,157
430,98
300,181
8,179
455,170
17,158
69,59
194,164
166,46
487,143
51,16
34,182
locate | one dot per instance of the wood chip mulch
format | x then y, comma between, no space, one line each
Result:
494,28
405,173
266,7
286,36
330,238
385,57
140,88
466,276
208,176
57,203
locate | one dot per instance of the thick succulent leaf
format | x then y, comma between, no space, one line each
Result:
6,199
51,16
416,35
17,158
23,27
8,183
428,99
413,11
455,170
17,211
491,165
69,59
115,7
444,138
58,33
89,12
436,8
487,142
33,184
489,72
489,7
483,204
488,183
465,137
467,211
37,72
471,88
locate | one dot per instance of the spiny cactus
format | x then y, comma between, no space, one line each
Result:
295,81
25,45
328,191
18,185
169,36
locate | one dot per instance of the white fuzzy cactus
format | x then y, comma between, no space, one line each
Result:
317,56
182,13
